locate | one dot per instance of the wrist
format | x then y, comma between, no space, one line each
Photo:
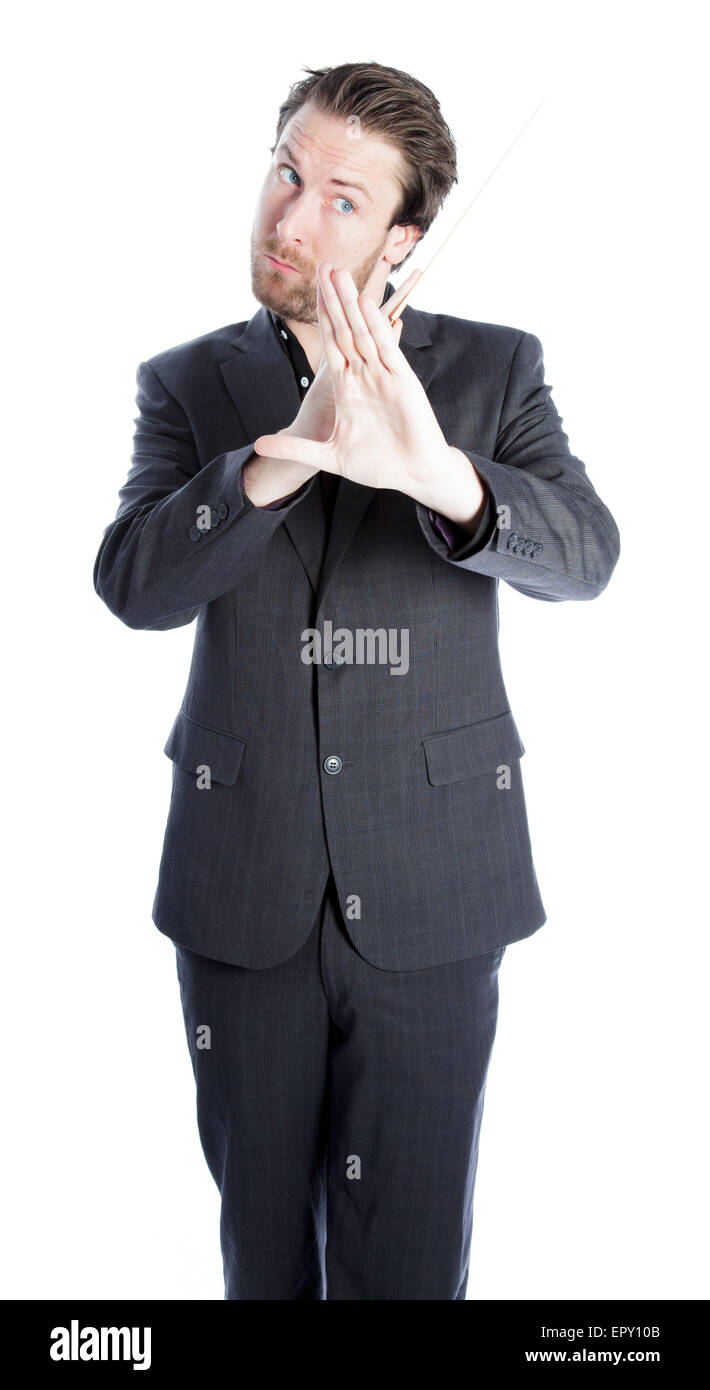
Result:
267,479
454,489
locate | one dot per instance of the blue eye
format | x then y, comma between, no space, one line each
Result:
339,197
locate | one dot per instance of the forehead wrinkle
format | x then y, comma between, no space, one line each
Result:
345,183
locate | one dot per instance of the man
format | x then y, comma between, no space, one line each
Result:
347,853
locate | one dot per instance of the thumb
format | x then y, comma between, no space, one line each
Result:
290,448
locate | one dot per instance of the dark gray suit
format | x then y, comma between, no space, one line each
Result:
415,823
360,1005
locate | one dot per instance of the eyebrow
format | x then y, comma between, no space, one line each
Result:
342,183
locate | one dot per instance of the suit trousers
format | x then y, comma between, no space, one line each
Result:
339,1110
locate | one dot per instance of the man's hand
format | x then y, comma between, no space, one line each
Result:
316,417
385,433
268,478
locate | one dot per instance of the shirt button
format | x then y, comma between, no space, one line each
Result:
284,335
333,764
305,381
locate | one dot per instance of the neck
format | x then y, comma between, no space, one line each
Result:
308,335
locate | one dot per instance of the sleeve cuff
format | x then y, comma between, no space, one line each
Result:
462,543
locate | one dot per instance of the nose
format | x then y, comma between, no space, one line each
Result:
293,228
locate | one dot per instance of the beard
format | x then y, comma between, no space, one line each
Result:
295,297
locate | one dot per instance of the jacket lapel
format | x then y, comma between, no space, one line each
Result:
261,384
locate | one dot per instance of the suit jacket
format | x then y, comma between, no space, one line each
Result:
408,783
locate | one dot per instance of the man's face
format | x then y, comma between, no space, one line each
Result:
311,209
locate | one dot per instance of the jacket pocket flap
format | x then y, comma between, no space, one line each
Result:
472,749
192,745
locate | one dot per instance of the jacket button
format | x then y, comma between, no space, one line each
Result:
333,764
332,663
223,511
214,517
194,534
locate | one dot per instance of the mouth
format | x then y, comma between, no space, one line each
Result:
283,266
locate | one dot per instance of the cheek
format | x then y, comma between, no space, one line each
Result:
271,205
267,205
345,233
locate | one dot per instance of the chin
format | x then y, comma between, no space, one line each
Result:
272,297
265,289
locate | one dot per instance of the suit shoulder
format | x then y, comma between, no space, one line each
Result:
184,359
496,341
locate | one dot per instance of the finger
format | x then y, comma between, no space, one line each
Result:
396,331
334,311
383,334
334,357
351,331
360,332
391,304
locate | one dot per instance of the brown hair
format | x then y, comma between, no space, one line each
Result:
401,110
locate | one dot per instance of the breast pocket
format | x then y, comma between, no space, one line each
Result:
472,750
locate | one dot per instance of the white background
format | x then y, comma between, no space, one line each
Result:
136,142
